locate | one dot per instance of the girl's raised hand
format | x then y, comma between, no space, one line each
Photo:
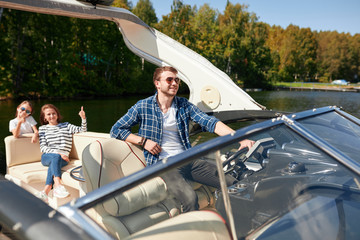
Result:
82,113
22,116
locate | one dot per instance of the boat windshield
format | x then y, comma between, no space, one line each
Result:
292,178
338,131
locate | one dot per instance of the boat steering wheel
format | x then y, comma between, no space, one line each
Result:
236,158
257,151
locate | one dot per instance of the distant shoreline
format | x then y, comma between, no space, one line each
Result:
308,86
326,89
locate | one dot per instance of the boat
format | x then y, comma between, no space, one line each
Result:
306,170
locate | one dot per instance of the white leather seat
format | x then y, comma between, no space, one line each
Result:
145,205
145,211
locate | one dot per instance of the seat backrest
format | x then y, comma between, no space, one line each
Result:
110,159
107,160
81,140
21,150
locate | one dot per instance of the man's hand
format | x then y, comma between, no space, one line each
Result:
246,143
152,147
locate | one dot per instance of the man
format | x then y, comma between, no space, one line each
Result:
164,131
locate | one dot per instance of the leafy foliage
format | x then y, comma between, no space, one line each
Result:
68,57
145,11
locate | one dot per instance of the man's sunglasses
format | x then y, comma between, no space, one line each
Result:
170,79
28,112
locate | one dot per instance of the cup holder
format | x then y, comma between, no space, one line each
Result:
240,185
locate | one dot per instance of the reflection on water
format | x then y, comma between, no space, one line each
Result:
102,113
295,101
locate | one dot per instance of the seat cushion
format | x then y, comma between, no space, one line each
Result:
149,216
197,225
35,172
139,197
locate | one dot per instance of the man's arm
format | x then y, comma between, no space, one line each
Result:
222,129
149,145
122,128
134,139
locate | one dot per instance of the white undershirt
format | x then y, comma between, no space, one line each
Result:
171,142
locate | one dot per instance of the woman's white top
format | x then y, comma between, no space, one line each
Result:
170,143
26,127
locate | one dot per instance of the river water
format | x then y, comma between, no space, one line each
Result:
103,113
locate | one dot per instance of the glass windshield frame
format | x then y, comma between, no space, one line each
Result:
294,123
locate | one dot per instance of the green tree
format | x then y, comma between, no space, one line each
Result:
258,55
207,35
68,57
246,57
298,54
15,26
355,58
274,42
335,56
5,83
122,4
232,24
307,54
145,11
78,57
177,24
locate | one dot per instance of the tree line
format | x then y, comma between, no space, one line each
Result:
53,56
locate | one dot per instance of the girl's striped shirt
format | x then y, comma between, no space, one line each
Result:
58,139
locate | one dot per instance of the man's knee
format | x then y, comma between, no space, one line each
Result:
189,201
181,190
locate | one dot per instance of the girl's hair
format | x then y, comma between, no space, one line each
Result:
42,114
24,102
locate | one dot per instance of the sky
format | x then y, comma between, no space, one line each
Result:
319,15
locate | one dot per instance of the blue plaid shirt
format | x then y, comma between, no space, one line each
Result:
148,115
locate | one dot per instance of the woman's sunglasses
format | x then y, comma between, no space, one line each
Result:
28,112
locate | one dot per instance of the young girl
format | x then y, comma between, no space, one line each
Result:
24,122
55,144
